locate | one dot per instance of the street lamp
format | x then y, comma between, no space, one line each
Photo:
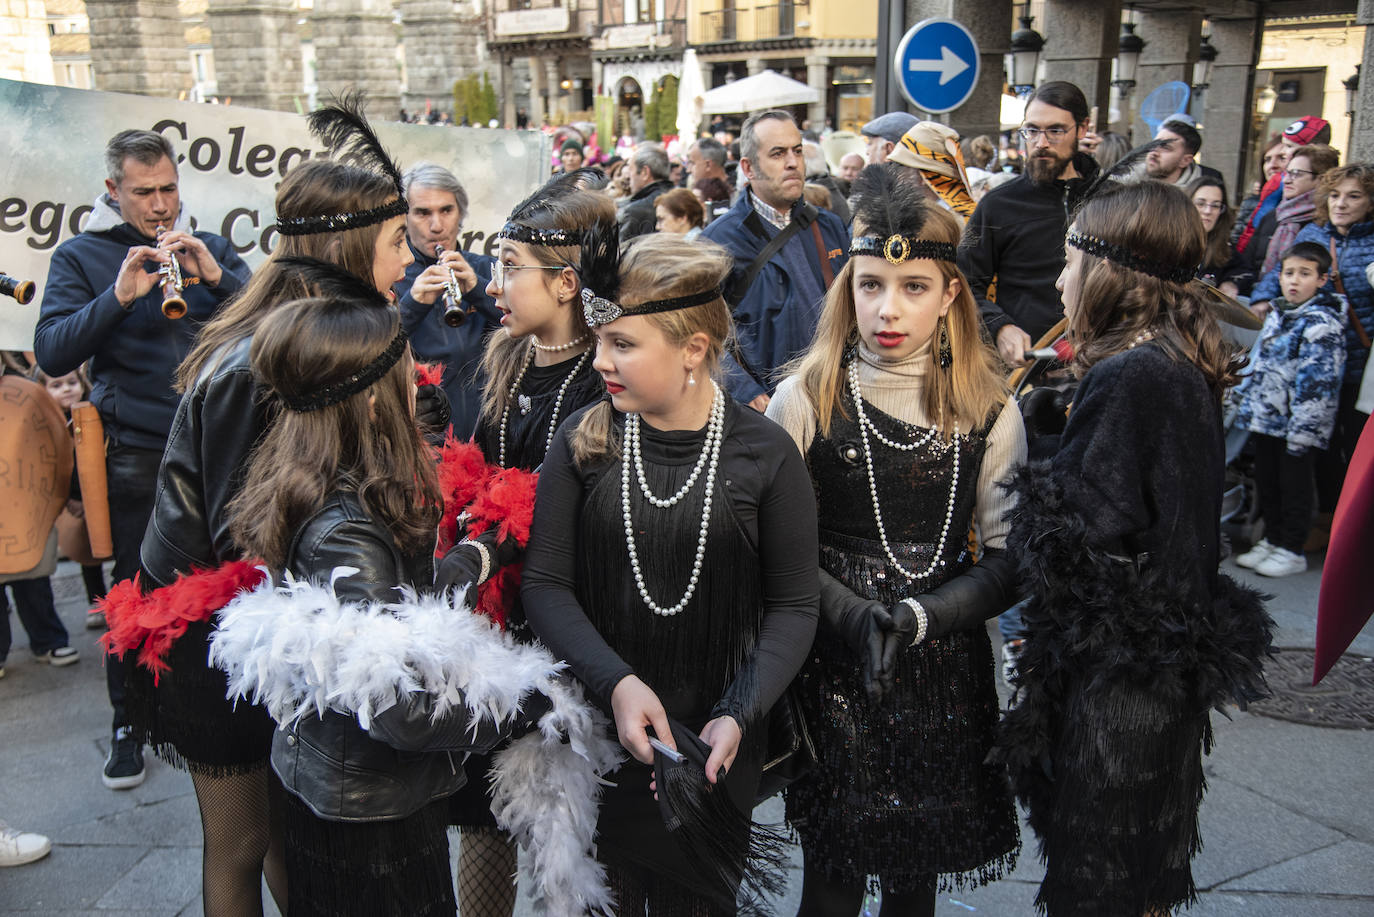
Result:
1202,70
1129,46
1352,92
1026,45
1265,99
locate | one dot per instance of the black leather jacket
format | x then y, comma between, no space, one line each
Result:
216,426
404,761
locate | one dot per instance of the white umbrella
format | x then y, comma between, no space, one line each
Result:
755,93
1013,112
689,93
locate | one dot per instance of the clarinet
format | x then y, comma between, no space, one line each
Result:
454,315
173,282
21,290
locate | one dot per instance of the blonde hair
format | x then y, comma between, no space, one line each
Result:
662,267
969,393
505,355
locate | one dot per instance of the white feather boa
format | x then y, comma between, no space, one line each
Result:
298,650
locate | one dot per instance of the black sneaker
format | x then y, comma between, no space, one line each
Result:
124,766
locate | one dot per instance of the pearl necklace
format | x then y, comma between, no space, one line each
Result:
1146,335
557,403
715,428
557,348
865,426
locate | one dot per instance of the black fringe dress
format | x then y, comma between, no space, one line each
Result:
527,435
901,791
1132,636
731,651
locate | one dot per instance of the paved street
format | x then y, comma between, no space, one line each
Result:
1288,821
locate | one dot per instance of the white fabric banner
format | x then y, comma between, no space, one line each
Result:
230,161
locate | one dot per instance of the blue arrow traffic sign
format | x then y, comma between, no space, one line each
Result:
937,65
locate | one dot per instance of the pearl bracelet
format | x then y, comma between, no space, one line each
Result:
486,563
922,620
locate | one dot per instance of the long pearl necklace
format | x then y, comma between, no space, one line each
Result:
715,428
514,390
865,427
557,348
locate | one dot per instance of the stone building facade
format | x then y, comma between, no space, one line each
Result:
24,52
257,52
356,49
444,42
139,46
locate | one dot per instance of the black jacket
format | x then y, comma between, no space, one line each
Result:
639,218
403,761
1015,240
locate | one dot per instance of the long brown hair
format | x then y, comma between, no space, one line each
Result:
663,267
969,393
1218,251
368,442
313,188
504,356
1116,304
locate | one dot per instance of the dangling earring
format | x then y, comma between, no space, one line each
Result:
691,378
946,354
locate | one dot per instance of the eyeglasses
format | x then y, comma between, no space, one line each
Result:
1052,134
1209,206
1295,174
499,271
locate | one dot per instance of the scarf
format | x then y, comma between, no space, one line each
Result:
1270,195
1292,216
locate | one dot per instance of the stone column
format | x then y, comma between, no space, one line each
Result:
538,94
1171,43
1362,131
754,65
558,103
257,52
355,49
441,47
818,78
505,87
1226,140
1080,45
138,46
990,21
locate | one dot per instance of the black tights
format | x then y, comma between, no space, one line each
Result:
241,822
639,892
822,897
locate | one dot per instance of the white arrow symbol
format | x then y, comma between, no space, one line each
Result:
948,66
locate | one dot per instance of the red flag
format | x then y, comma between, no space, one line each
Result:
1346,600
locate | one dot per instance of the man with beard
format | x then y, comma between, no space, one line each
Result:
1173,163
438,203
1014,243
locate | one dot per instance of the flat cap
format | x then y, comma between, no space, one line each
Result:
890,126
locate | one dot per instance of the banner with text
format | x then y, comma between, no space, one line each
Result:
230,161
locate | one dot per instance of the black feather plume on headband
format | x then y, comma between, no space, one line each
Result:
888,200
599,265
331,281
344,129
1120,171
556,187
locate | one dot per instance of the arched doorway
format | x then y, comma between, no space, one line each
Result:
629,108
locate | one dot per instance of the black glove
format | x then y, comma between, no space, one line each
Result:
860,623
432,410
898,638
462,565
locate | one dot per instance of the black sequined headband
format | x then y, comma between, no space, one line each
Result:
598,311
338,222
519,232
1101,248
341,391
898,249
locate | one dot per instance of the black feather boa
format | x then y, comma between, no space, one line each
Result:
1097,623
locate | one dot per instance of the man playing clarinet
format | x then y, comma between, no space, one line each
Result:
103,302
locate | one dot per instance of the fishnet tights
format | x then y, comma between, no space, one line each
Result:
486,873
241,822
655,897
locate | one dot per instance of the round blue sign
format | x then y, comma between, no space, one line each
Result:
937,65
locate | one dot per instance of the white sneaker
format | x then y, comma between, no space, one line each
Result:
20,847
1011,658
1282,562
1256,555
63,655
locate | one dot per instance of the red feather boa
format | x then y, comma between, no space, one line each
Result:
429,373
150,623
492,497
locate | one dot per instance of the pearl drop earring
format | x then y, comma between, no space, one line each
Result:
691,378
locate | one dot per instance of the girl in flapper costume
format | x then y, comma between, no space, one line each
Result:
907,430
670,565
1132,634
559,241
341,226
376,685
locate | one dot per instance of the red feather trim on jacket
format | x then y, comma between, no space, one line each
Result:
429,373
150,623
491,497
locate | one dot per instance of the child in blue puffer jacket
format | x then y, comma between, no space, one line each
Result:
1289,402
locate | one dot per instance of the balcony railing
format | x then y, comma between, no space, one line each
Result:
777,21
718,25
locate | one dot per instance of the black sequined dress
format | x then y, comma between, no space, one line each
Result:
901,791
527,437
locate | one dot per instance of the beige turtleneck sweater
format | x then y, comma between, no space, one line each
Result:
895,388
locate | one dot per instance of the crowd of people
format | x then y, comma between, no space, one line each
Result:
703,487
